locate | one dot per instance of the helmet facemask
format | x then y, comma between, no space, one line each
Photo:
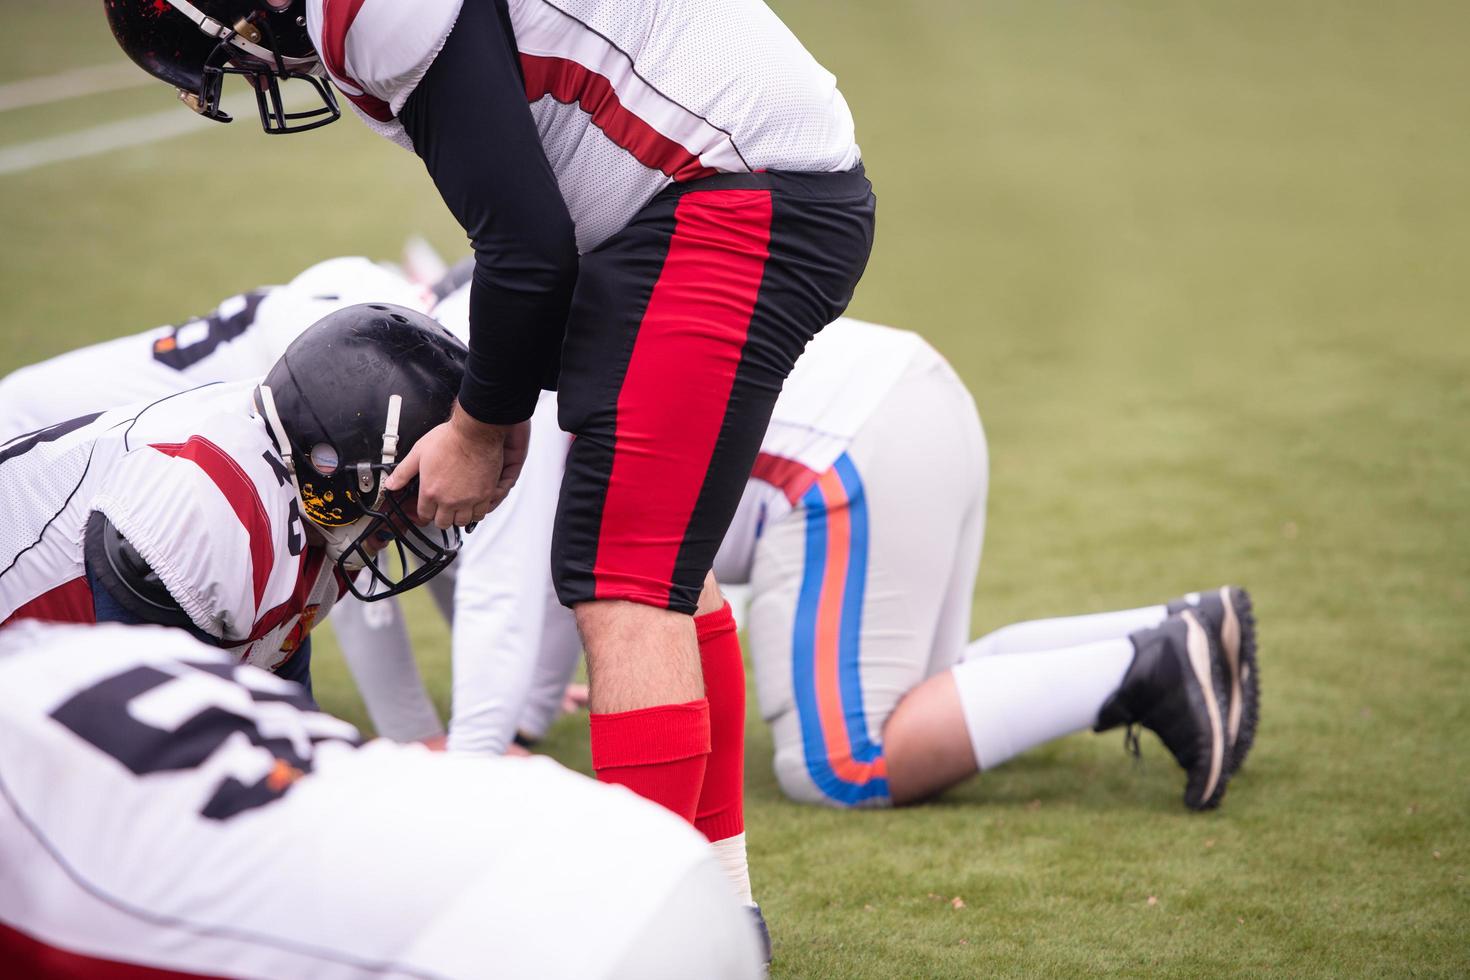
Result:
250,49
393,529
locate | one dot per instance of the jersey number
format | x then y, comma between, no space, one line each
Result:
186,345
103,716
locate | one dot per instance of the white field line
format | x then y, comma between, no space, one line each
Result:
111,77
137,131
102,139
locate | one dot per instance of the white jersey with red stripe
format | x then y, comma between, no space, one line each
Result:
245,833
241,338
628,95
195,484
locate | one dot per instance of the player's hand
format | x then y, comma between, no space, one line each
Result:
465,468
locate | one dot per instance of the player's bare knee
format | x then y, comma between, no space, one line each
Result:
638,656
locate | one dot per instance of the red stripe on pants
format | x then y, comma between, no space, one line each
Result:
672,402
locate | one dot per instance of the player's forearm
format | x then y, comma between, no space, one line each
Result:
515,338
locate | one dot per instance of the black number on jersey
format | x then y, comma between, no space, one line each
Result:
103,716
189,343
295,528
23,444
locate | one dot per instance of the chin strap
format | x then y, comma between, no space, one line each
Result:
390,430
235,39
277,430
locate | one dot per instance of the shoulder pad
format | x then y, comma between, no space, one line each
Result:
127,577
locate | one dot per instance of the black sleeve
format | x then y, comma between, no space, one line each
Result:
469,123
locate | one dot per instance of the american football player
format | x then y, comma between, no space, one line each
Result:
666,201
247,834
860,603
241,338
238,511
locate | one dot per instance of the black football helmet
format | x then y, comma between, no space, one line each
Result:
346,401
194,45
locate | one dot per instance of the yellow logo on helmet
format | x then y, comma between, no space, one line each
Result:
319,508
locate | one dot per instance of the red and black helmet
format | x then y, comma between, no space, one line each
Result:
194,44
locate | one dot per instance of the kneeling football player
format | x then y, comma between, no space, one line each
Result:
238,511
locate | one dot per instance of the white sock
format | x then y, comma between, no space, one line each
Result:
1067,631
1013,702
731,853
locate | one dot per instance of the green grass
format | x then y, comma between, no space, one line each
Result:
1205,269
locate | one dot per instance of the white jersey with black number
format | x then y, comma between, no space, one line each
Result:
195,484
164,809
241,338
628,95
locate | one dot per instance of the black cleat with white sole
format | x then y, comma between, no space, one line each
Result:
1227,612
1178,688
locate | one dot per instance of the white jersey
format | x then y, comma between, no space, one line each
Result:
628,95
242,338
245,834
195,484
505,616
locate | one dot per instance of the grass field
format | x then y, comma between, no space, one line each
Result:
1206,269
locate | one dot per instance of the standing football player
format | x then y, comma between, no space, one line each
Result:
860,603
246,834
703,166
238,511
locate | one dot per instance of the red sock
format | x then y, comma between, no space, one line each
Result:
659,753
721,811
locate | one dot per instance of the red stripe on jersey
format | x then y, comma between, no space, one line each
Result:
570,83
307,570
26,956
242,497
69,602
674,395
337,18
787,475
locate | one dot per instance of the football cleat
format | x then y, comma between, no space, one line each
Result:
1178,688
1227,612
763,935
